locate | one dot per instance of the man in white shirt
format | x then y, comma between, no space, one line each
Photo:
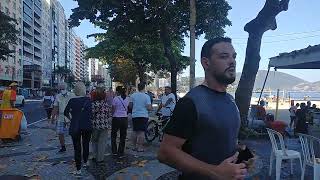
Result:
168,102
141,105
59,105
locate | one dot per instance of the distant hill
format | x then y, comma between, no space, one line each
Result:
276,80
315,86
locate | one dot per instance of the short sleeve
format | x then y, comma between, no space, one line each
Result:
173,97
183,119
148,100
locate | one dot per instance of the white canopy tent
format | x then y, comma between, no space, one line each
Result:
307,58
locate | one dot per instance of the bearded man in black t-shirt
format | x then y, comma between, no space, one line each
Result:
201,138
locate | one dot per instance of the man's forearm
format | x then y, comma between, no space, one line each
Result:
184,162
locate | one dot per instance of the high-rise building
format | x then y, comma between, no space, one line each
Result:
81,64
11,69
72,42
45,42
32,43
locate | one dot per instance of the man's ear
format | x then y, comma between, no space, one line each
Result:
205,63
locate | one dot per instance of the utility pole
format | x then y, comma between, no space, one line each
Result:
192,42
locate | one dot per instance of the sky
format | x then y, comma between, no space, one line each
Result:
297,29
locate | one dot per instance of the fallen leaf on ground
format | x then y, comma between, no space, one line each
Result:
146,173
41,158
144,161
141,164
2,166
134,162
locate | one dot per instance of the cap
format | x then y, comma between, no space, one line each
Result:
13,84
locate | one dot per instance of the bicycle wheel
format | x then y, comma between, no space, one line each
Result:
151,131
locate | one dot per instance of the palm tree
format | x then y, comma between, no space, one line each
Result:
62,72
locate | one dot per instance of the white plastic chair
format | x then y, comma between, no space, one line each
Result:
307,143
279,153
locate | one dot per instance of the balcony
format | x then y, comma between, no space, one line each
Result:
37,54
28,31
37,20
38,29
38,3
25,58
37,11
28,49
37,45
37,38
27,19
27,39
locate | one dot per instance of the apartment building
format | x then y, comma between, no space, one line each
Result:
11,69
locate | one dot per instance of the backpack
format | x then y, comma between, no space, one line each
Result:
47,103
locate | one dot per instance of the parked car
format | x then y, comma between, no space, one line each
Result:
20,100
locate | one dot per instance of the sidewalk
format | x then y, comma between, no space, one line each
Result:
36,157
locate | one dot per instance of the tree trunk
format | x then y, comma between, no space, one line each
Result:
192,42
168,52
248,76
265,20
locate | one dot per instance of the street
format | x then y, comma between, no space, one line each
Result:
36,157
33,111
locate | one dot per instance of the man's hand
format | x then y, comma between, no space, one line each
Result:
228,170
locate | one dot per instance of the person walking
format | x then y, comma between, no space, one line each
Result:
201,138
119,121
140,105
47,103
9,96
78,110
101,113
293,110
59,106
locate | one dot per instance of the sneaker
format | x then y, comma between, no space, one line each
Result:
121,156
62,150
78,173
86,164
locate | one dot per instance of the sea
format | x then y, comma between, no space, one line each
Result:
292,95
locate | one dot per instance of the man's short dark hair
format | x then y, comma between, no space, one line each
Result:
206,48
141,86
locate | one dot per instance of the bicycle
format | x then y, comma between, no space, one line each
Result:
155,128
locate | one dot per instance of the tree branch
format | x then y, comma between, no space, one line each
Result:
266,19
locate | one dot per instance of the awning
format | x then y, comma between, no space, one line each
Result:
307,58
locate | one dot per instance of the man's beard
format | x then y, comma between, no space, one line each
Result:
223,79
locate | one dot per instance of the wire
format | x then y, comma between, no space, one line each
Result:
286,34
292,39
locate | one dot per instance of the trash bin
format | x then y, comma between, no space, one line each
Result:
10,122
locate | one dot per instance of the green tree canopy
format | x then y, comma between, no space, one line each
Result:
8,35
166,21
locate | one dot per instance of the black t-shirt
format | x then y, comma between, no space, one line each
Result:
209,121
